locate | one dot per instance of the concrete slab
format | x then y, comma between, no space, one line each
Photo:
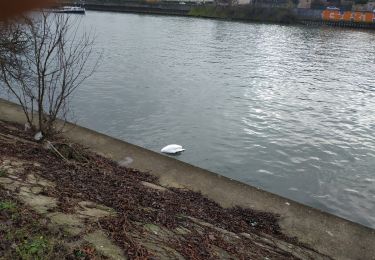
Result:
40,203
70,223
89,209
104,245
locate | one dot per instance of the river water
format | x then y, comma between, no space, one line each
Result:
289,109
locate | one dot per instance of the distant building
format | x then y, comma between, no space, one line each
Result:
369,6
304,4
182,2
347,2
277,3
244,2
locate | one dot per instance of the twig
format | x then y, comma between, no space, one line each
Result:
78,154
57,151
17,139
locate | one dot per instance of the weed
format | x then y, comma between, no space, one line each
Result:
7,205
79,253
15,216
35,248
3,173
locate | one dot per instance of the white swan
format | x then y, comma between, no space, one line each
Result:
172,149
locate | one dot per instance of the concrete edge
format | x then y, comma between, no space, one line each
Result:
326,233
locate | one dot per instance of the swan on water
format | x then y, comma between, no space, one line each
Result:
172,149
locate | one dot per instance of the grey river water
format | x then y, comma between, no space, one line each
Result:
289,109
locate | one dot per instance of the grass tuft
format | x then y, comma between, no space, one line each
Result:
3,173
34,248
7,205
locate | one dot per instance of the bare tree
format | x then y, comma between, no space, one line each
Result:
52,58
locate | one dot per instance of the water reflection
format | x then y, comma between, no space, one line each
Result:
285,108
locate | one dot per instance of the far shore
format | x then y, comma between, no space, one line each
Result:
280,14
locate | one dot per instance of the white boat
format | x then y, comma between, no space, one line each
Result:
70,10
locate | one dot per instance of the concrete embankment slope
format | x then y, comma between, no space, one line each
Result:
326,233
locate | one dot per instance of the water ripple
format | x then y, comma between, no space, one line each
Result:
285,108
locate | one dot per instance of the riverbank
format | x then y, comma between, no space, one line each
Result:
89,206
284,13
241,13
245,13
329,235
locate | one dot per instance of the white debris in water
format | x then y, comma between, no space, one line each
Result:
351,190
265,172
320,196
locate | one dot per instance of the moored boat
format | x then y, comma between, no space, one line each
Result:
70,10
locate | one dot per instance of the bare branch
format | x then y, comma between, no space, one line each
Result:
44,69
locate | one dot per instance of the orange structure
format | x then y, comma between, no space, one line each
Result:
348,16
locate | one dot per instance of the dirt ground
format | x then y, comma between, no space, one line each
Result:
75,204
